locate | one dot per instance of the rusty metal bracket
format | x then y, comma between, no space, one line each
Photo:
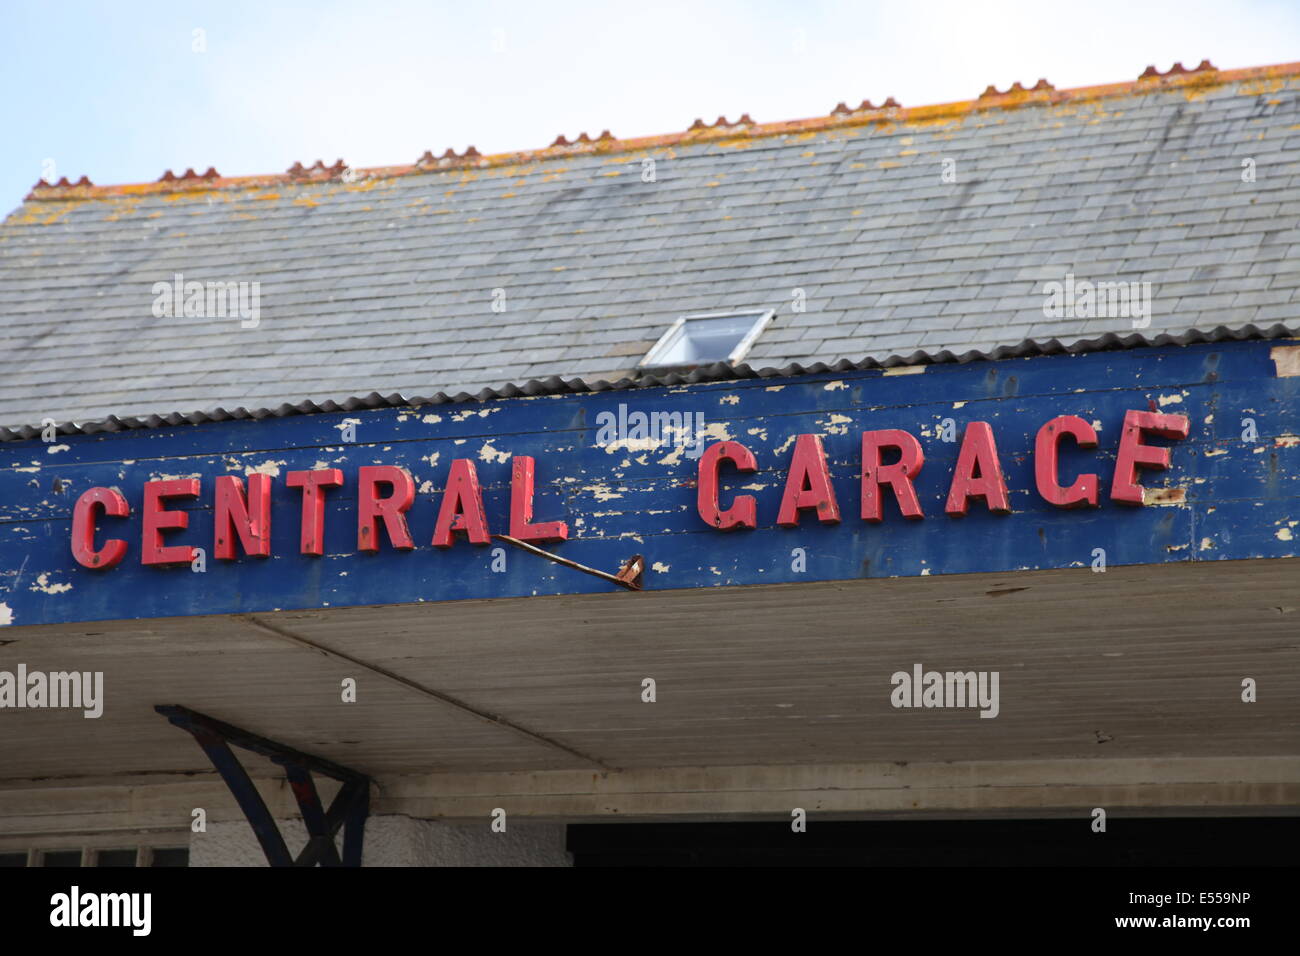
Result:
629,576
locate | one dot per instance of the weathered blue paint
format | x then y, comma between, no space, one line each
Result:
1241,497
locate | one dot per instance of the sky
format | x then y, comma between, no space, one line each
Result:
122,91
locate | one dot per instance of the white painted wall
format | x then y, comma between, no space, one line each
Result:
394,840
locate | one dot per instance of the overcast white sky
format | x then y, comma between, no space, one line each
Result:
115,90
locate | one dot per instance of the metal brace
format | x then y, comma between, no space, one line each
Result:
349,809
629,576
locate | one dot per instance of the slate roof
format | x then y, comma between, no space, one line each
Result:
383,280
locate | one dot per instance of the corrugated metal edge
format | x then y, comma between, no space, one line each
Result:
719,372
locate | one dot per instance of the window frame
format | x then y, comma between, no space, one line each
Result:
762,319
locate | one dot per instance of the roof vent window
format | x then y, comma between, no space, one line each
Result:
707,338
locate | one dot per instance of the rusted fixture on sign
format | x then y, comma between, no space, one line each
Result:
629,576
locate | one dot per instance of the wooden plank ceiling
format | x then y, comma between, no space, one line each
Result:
1135,662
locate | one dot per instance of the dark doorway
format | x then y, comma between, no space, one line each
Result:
1172,842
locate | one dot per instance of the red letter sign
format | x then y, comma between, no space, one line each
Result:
521,506
462,507
898,475
391,510
157,520
743,511
313,485
1084,490
808,485
978,473
231,516
83,528
1132,452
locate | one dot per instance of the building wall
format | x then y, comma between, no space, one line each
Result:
395,840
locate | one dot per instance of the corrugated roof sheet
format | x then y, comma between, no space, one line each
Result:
386,279
718,372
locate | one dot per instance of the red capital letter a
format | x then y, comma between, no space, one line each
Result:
462,507
808,485
978,473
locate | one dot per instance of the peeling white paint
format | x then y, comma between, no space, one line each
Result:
1169,400
660,567
431,419
602,492
271,468
649,443
837,425
729,400
43,584
488,453
6,614
55,449
834,386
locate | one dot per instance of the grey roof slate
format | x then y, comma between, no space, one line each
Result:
386,285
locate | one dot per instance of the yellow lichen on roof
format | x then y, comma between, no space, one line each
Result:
740,134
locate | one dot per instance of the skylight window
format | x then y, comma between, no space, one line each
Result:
707,338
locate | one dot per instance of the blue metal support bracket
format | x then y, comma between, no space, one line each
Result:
348,810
